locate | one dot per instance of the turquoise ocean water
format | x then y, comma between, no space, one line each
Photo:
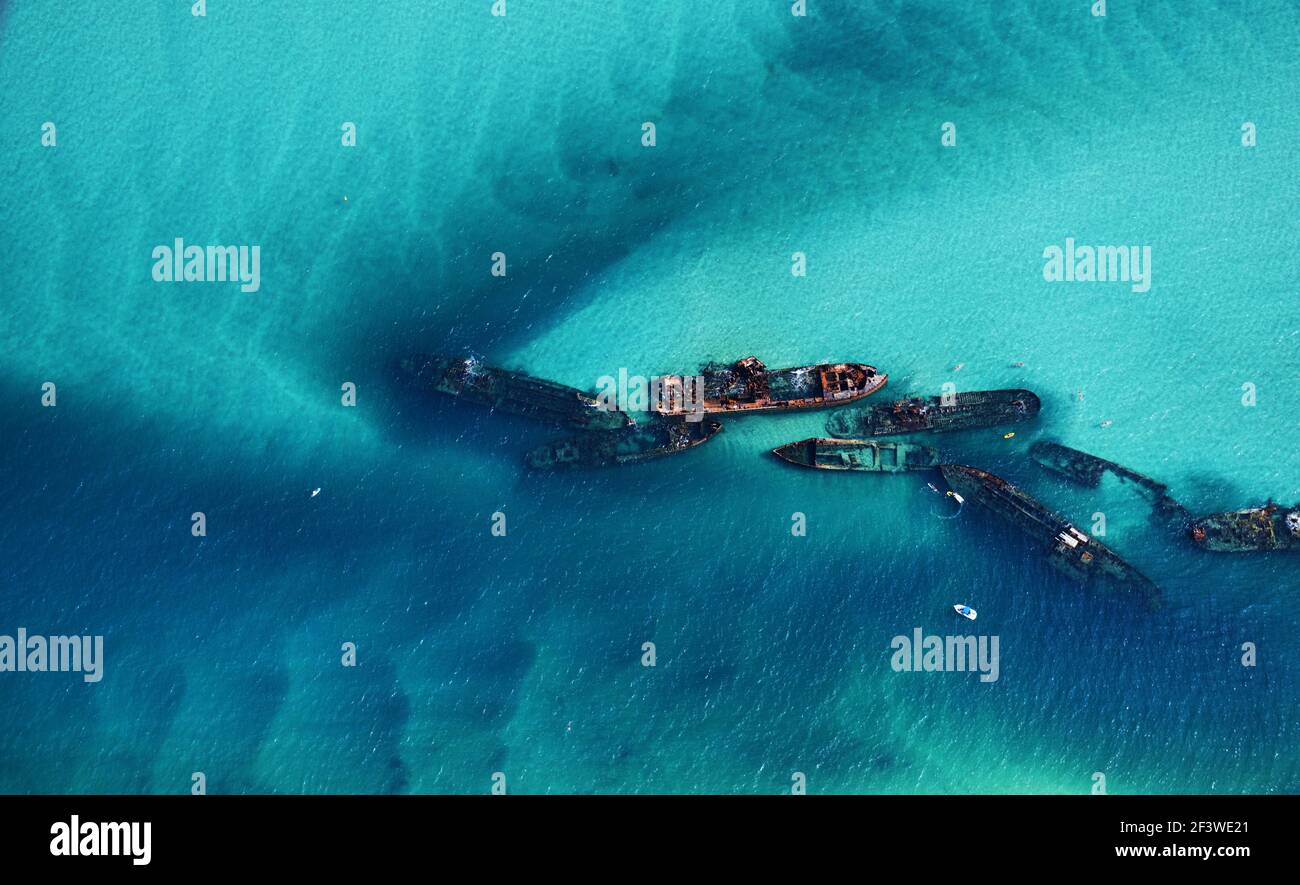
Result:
775,134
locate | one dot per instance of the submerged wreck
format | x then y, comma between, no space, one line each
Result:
514,392
857,454
1271,527
1068,549
749,386
627,445
1087,470
937,414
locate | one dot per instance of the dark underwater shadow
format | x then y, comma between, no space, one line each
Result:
590,196
98,521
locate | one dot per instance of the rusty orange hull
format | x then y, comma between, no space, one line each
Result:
748,386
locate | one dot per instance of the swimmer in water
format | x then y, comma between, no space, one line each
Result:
1107,423
958,367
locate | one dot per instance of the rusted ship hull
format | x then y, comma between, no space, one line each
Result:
514,392
651,439
1087,470
747,386
858,455
1074,553
1078,467
937,414
1270,527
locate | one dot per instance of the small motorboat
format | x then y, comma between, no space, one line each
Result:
965,611
956,497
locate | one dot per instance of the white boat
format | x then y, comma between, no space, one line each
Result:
965,611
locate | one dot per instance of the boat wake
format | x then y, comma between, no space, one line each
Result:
961,502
